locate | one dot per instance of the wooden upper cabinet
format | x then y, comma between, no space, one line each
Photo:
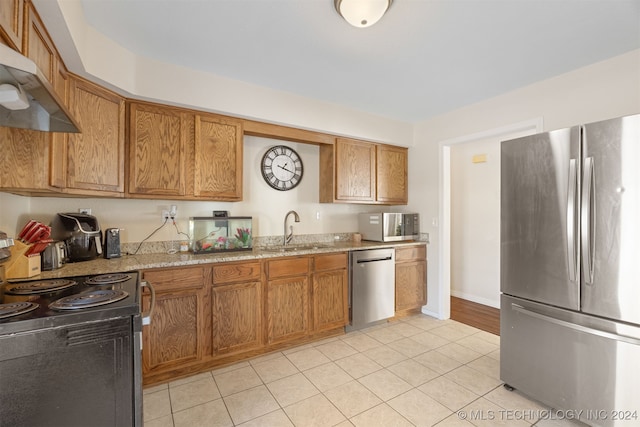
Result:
391,173
12,22
95,159
157,150
59,141
25,154
355,170
37,44
180,154
218,158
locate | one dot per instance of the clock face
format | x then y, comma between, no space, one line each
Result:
282,168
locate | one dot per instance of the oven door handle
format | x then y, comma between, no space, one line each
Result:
146,316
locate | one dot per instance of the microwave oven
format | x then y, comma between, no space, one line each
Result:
389,227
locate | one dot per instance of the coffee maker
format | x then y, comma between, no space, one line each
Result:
81,235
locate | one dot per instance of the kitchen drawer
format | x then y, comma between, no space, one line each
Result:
288,267
176,278
411,253
330,262
236,272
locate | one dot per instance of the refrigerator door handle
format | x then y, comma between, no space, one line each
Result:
587,220
574,326
572,222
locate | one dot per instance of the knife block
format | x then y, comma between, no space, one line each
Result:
20,266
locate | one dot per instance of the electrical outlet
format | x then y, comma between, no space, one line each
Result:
85,211
173,212
165,215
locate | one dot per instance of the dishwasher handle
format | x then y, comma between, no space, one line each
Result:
362,261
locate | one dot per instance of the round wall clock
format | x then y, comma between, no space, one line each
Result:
282,167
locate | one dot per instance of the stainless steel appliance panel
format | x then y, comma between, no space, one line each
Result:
389,226
571,361
611,219
539,217
372,286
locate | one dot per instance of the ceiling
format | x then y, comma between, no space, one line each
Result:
424,58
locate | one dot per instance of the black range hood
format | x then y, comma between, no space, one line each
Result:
27,100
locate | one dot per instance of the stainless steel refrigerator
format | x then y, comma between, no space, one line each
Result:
570,269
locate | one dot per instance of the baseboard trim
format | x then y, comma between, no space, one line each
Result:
480,300
477,315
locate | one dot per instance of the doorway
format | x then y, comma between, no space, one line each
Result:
445,215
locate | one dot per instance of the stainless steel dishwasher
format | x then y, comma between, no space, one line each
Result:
372,286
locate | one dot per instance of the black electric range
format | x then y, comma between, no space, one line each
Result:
74,353
29,305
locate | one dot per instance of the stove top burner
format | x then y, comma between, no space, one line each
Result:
16,309
108,279
42,287
88,299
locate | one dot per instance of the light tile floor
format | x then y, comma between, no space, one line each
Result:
418,371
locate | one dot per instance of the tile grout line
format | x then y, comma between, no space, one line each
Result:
342,341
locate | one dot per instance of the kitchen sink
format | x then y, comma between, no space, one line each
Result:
295,248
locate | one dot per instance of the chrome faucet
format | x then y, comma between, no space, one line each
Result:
288,237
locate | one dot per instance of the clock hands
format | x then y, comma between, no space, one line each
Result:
284,168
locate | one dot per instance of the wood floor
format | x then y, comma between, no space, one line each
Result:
476,315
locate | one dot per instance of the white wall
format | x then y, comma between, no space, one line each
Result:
603,90
475,222
88,53
11,209
267,206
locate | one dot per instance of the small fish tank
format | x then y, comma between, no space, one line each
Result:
220,234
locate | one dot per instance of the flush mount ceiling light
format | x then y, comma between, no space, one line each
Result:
362,13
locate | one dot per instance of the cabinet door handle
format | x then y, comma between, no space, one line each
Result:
146,316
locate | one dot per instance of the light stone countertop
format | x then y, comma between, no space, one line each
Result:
160,260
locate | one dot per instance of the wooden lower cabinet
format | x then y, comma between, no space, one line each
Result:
176,336
411,278
287,312
287,309
330,292
209,316
236,317
236,308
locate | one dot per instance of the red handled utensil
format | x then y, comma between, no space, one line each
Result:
38,247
